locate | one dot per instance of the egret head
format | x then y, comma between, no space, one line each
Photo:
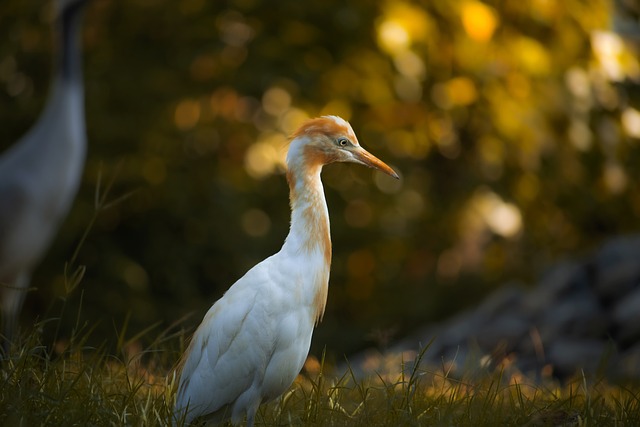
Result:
330,139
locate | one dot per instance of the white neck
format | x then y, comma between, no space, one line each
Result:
309,238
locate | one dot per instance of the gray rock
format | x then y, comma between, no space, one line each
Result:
626,317
562,280
461,328
503,333
506,299
569,355
578,316
617,268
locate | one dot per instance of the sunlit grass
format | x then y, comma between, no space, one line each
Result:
74,384
129,380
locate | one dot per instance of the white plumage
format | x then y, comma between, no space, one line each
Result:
40,174
252,343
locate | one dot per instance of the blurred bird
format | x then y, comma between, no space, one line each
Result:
253,341
40,174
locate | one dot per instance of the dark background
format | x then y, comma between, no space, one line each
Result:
514,125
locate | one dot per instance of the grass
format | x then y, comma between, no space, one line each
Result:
74,384
125,382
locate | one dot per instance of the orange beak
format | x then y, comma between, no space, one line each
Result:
364,157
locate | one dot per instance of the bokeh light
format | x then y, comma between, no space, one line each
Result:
513,125
479,20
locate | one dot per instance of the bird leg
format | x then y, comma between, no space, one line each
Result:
251,414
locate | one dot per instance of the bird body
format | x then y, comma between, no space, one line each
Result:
40,174
253,341
251,345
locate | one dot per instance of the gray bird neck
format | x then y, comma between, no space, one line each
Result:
69,20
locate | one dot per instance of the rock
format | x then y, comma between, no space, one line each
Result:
461,328
626,318
578,316
569,356
617,268
505,299
503,332
562,280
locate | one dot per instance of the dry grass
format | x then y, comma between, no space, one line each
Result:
73,384
123,382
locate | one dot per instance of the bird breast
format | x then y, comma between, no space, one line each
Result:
254,340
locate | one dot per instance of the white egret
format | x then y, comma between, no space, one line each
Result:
40,174
254,340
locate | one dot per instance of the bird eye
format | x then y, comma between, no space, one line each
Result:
343,142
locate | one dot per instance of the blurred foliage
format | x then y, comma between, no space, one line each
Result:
515,126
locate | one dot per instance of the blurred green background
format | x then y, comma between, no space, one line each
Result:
515,126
